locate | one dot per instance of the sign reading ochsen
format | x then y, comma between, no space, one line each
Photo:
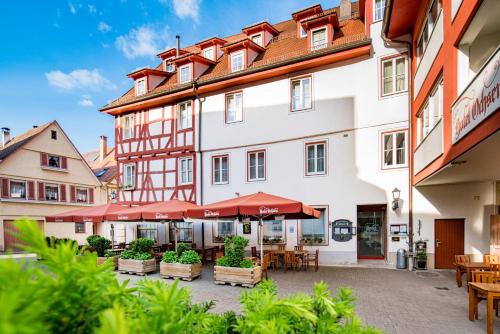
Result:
478,101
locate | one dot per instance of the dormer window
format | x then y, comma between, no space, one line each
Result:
303,32
257,39
237,62
319,39
140,87
146,79
185,74
169,67
209,53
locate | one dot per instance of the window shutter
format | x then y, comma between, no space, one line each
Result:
31,190
41,191
5,188
64,163
91,195
72,193
44,159
62,191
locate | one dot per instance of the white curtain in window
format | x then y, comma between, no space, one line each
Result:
17,189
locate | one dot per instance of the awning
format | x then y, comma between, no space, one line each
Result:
173,210
94,214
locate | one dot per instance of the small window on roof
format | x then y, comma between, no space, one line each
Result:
101,172
257,39
53,134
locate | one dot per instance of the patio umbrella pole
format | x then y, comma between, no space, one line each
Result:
112,236
261,227
175,236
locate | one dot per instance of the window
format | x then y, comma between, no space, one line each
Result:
237,61
224,229
379,9
209,53
301,94
17,189
169,67
316,159
234,107
53,134
185,75
128,176
185,171
51,192
128,126
314,231
185,233
431,113
274,232
81,195
54,161
256,166
318,40
141,87
394,75
220,169
394,154
185,117
79,227
149,231
303,32
257,39
428,27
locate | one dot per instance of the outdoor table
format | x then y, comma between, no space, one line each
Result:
203,252
492,292
117,251
302,253
469,267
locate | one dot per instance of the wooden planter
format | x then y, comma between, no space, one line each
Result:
185,272
101,260
137,267
246,277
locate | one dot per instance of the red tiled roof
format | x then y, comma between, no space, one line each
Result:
286,46
17,142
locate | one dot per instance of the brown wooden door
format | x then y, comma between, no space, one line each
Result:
449,241
11,243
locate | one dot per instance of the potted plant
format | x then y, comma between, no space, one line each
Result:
101,246
233,268
138,259
421,261
186,266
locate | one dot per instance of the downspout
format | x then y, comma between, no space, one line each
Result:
387,14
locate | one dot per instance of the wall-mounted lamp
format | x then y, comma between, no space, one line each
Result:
396,193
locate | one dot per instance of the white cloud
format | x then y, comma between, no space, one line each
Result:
186,8
72,8
92,9
145,41
86,101
78,79
104,27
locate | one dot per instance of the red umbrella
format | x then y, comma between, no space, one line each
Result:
260,206
94,214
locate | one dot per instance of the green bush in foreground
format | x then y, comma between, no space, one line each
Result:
68,293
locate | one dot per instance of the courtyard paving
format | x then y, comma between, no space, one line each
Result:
395,301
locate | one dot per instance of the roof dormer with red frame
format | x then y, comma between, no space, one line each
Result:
320,30
191,66
303,14
261,33
168,56
241,54
211,48
146,79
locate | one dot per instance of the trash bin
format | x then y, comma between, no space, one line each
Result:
401,259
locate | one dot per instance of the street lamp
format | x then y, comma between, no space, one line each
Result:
396,193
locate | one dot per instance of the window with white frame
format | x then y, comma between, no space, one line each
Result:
318,40
209,53
394,149
185,117
224,229
301,93
128,126
18,189
274,232
185,170
257,39
51,192
140,88
220,169
169,67
79,227
379,10
316,158
431,113
81,195
314,231
256,166
234,107
185,74
148,230
428,27
237,62
128,176
303,32
185,232
393,75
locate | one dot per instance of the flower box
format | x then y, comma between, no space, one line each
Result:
101,260
138,267
177,270
246,277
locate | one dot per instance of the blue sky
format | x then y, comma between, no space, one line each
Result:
63,60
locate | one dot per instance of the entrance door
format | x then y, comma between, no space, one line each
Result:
449,241
371,232
11,243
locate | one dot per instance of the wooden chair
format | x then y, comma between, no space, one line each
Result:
265,264
281,247
291,260
254,252
314,258
298,248
460,259
484,277
193,245
218,255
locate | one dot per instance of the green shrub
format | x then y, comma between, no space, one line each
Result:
131,255
222,261
142,245
182,247
234,248
246,264
189,257
127,254
99,244
109,253
170,257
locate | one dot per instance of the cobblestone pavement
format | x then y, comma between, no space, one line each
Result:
395,301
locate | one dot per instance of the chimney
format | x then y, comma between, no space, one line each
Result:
345,10
5,136
178,45
103,147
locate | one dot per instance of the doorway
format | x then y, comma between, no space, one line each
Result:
371,232
449,241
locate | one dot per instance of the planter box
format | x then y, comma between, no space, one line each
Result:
246,277
137,267
177,270
101,260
